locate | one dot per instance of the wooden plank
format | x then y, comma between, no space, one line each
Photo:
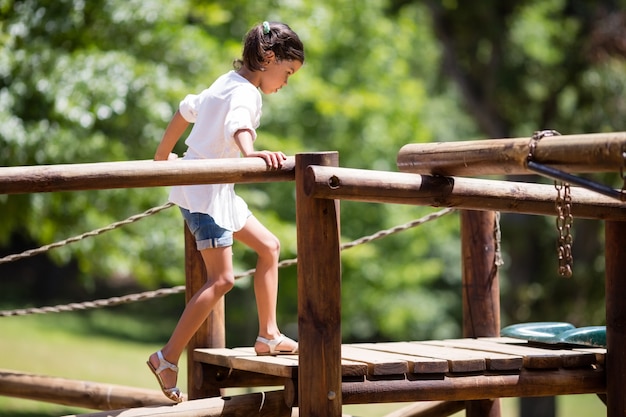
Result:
496,361
459,360
378,363
417,364
534,357
215,356
282,366
349,368
599,352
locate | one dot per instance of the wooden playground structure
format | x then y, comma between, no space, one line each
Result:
444,376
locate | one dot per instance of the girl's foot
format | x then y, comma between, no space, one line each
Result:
282,345
166,374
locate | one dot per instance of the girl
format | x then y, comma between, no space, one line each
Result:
225,118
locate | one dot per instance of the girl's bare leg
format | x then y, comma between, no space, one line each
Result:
220,279
266,245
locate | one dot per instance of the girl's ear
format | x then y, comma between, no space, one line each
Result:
269,55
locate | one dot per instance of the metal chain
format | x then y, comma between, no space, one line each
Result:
564,222
622,170
563,204
534,140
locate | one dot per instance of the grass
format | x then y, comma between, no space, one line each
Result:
66,345
105,347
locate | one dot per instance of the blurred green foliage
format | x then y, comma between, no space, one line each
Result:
94,81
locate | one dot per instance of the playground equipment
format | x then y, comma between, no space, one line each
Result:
326,374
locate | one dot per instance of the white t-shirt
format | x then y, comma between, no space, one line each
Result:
230,104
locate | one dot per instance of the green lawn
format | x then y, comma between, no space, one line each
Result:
102,349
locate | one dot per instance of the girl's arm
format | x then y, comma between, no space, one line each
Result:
244,141
174,131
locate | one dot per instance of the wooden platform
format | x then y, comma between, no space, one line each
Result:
458,369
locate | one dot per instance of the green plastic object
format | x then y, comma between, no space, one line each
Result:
587,336
557,333
543,332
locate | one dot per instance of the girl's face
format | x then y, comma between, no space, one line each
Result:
277,74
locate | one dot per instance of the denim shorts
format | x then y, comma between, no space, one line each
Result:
207,233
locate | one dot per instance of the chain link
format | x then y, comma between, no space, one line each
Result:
564,222
622,170
563,204
534,140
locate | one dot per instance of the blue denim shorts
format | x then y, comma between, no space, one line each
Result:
207,233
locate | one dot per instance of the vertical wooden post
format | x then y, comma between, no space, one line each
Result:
212,333
319,296
615,258
481,289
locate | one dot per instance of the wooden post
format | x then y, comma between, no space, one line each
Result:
615,244
319,295
481,289
212,333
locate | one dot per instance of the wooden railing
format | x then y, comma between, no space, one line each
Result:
320,183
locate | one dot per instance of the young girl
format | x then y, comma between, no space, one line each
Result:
225,118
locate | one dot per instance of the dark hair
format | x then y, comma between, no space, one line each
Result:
280,39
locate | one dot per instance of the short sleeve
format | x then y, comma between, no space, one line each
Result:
188,107
244,113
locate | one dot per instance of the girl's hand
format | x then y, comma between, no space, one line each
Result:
273,160
170,157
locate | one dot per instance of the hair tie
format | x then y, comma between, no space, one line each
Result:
266,27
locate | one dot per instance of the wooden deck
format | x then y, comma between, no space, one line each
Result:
457,369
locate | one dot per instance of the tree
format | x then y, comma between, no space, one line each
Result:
98,81
562,62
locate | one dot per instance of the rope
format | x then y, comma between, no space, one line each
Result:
109,302
498,261
42,249
88,305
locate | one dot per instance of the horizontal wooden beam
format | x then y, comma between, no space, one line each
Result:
477,387
259,404
76,393
598,152
429,409
136,174
463,193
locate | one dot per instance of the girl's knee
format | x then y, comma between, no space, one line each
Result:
271,247
224,283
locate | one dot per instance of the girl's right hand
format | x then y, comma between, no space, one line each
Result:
273,159
172,156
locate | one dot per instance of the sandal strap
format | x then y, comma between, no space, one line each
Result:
164,364
272,343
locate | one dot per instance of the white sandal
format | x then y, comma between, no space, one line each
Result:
174,393
273,345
